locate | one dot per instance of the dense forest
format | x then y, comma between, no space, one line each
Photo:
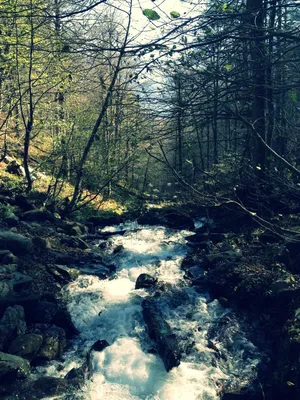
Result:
101,96
149,199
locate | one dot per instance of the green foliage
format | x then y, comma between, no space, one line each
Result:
174,14
152,15
6,210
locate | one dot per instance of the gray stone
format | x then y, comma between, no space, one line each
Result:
145,281
12,220
26,346
13,367
75,243
44,387
63,274
54,341
20,281
17,244
38,216
4,288
41,243
12,324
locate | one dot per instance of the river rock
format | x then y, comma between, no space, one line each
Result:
12,324
76,377
4,289
103,221
17,244
145,281
38,216
26,346
76,243
160,331
12,368
12,220
63,319
41,243
42,312
23,203
44,387
54,341
19,281
63,274
100,345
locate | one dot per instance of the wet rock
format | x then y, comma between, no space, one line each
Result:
100,345
12,368
23,203
63,274
4,289
38,216
62,319
160,331
42,312
16,243
103,221
76,243
26,346
152,217
195,273
19,281
76,377
197,238
145,281
41,243
118,249
98,270
12,324
61,258
6,257
54,341
212,260
44,387
12,220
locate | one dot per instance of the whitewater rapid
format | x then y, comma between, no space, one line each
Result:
111,310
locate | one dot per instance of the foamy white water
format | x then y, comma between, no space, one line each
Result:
111,310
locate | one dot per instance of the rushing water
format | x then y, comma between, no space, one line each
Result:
111,309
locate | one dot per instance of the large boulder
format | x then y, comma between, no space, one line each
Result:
26,346
160,331
54,341
13,367
63,274
145,281
19,282
17,244
38,216
76,377
12,324
44,387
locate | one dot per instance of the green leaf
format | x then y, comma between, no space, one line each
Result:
228,67
174,14
293,97
224,6
151,14
189,162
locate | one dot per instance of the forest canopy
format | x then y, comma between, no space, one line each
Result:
159,98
